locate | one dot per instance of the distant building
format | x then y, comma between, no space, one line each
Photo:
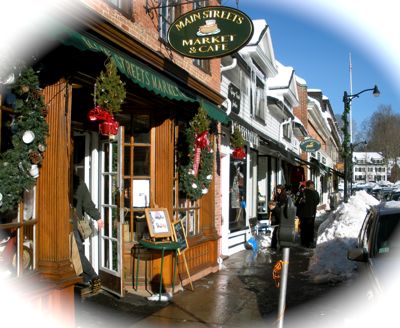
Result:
369,167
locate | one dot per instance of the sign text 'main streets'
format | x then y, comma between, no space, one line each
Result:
207,14
210,32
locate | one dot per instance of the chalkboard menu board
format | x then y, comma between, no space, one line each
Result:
180,236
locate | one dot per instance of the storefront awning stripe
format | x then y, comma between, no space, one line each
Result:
141,74
213,111
133,69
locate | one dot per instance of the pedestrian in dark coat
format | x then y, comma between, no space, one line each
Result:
83,204
306,211
280,196
274,217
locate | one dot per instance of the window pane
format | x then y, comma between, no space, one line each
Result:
141,165
106,262
141,193
127,160
127,193
106,218
204,64
106,190
114,256
106,157
167,13
141,231
114,159
141,128
115,221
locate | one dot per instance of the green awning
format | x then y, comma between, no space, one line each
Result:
213,111
141,74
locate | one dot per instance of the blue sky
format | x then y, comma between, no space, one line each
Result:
316,39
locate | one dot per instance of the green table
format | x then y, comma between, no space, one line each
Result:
159,246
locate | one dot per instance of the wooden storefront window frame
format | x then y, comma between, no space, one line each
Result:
178,209
20,224
131,144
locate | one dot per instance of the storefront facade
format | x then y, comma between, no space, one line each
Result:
135,170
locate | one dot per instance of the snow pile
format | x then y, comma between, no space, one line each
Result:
337,234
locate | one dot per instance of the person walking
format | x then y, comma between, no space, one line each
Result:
274,217
83,204
280,196
306,211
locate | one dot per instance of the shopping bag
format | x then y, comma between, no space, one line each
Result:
74,254
84,227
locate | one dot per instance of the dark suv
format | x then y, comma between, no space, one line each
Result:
378,246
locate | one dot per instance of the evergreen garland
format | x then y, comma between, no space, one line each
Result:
16,162
110,91
346,136
237,143
195,186
236,139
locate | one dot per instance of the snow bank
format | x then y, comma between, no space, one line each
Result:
337,234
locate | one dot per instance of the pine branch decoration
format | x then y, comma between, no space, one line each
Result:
110,91
236,139
16,162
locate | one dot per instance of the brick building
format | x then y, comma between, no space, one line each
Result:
136,170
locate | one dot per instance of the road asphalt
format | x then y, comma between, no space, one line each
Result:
242,294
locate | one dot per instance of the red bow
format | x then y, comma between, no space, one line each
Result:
201,143
202,140
239,153
109,126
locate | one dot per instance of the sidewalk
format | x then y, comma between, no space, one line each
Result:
243,292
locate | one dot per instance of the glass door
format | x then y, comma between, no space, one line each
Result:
110,266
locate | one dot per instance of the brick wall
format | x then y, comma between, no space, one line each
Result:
144,27
301,111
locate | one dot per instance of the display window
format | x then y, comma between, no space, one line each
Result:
237,195
18,225
136,174
184,209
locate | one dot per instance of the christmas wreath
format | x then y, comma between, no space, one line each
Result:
237,143
19,165
195,176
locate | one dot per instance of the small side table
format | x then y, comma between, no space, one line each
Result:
159,246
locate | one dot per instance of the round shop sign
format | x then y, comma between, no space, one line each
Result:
310,145
210,32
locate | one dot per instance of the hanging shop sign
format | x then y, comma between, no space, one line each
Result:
234,97
210,32
310,145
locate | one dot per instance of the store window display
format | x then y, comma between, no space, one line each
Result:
237,217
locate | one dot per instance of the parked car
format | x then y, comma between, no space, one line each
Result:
395,195
385,194
378,247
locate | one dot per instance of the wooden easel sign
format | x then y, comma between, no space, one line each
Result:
180,236
158,222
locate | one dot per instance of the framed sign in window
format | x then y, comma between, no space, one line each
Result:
180,235
158,222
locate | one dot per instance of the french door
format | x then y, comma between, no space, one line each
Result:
110,185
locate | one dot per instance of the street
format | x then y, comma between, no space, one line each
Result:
242,293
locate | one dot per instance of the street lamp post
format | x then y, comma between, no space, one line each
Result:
346,151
